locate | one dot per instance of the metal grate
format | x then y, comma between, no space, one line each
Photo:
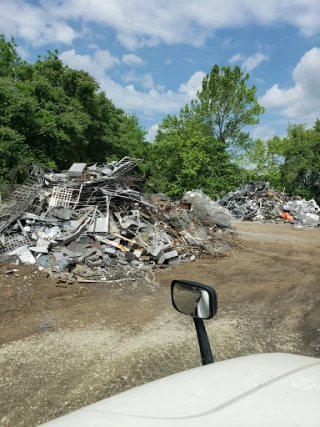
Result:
21,199
15,242
64,197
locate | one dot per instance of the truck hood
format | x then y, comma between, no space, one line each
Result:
260,390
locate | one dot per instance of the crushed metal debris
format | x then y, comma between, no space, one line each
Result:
92,224
258,201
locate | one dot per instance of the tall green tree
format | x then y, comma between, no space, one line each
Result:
228,105
194,149
186,155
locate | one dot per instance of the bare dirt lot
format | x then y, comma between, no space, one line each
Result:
65,346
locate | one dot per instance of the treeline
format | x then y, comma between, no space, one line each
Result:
291,163
54,115
208,145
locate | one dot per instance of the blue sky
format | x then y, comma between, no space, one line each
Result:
151,56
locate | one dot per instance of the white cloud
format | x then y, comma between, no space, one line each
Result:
167,61
249,63
105,59
253,61
152,132
238,57
302,100
148,102
34,23
152,101
194,84
95,65
132,59
142,23
262,132
145,80
154,98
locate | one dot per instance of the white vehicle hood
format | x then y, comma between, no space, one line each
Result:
260,390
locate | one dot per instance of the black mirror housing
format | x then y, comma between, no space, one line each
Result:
194,299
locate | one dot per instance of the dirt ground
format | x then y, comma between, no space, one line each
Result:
66,346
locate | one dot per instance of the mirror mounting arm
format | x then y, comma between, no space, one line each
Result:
205,349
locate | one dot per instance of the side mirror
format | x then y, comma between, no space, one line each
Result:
194,299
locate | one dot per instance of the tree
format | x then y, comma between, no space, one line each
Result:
264,160
9,59
186,155
292,162
193,150
228,106
300,170
56,115
12,151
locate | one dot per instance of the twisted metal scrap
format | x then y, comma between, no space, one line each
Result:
22,198
252,199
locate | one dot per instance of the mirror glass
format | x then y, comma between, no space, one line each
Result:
192,300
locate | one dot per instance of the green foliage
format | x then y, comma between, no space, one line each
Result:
263,159
12,150
56,115
228,106
300,170
193,150
9,59
292,162
186,155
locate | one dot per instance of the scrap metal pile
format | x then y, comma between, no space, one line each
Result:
258,201
92,224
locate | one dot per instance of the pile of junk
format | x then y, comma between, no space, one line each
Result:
92,224
258,201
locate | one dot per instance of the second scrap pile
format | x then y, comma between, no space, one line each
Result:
258,201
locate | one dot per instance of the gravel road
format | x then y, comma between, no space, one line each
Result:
66,347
